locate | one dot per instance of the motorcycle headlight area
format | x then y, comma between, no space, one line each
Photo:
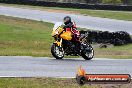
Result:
55,32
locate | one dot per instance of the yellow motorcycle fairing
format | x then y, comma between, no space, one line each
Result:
66,35
57,31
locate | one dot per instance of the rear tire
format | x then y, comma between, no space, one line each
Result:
86,55
54,52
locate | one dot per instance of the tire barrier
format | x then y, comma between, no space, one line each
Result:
116,38
69,5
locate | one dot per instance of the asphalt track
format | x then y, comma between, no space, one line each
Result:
16,66
24,66
96,23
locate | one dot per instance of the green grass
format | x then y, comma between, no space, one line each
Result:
24,37
120,52
21,37
121,15
38,83
52,83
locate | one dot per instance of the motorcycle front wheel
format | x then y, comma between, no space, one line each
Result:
57,51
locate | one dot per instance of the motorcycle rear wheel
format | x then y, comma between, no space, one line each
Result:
57,51
88,55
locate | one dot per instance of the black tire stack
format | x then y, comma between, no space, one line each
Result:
116,38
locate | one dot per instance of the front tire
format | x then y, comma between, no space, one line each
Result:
57,51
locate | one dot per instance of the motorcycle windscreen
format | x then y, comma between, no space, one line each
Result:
66,35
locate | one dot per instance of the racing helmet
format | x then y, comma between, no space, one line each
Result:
67,20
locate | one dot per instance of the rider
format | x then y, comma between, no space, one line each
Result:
71,26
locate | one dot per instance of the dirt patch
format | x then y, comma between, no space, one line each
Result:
114,85
62,11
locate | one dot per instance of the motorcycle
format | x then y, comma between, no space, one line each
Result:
64,46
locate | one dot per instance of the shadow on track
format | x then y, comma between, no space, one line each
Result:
73,60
